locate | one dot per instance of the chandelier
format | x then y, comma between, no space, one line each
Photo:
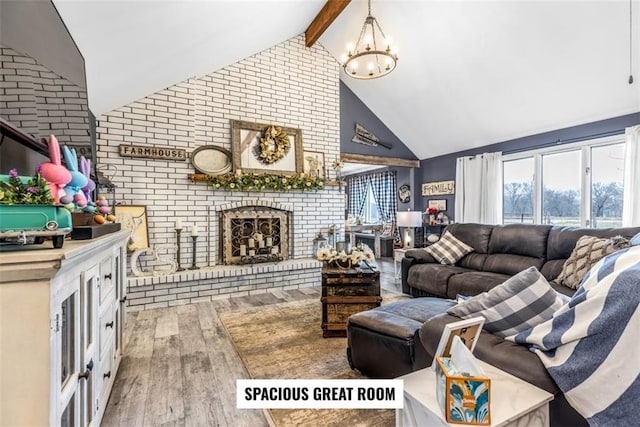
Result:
372,56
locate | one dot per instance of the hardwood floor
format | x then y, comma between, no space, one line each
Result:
180,366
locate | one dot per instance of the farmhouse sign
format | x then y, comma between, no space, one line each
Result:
438,188
146,152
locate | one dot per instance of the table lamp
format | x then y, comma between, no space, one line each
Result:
409,220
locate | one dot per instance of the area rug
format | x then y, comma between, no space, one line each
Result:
285,341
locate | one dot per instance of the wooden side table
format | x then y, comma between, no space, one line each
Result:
514,402
346,292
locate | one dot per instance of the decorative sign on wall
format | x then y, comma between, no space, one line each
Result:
438,188
363,136
146,152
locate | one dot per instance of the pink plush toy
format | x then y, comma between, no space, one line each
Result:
56,175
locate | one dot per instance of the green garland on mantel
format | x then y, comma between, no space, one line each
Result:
265,182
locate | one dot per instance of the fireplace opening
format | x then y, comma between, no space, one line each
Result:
254,234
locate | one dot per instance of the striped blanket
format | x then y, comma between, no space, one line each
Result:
591,347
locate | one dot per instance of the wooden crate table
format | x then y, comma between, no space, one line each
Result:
346,292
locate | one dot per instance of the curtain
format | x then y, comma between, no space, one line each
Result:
479,189
383,187
631,200
358,187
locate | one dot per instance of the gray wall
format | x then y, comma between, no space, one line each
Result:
443,168
352,111
35,28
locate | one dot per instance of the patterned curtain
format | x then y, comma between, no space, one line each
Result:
383,186
358,187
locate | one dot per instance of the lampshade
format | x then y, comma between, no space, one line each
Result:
409,219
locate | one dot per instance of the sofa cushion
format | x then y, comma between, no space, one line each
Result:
512,358
551,269
477,236
520,239
449,249
474,283
433,278
523,301
510,263
588,251
562,240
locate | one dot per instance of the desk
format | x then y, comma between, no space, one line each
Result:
353,229
514,402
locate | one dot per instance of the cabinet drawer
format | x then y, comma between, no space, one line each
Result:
105,374
107,278
106,327
372,289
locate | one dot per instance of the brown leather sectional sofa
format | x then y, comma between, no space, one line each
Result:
401,337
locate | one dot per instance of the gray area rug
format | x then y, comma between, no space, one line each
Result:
285,341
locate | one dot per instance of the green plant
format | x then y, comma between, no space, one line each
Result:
265,182
15,190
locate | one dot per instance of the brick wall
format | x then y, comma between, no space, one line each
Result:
288,85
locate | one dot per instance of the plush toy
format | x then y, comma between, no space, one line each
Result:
56,175
85,167
78,180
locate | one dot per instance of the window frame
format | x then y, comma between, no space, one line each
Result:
585,177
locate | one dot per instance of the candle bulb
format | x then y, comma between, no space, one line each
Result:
261,243
243,250
269,241
178,224
252,252
251,243
274,250
194,231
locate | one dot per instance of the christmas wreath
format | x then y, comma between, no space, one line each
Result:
274,145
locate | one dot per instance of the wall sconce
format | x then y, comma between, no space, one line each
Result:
409,220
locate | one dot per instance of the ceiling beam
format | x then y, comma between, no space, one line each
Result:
379,160
323,19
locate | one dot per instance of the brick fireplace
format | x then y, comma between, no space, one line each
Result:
254,232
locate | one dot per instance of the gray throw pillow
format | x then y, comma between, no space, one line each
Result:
449,249
587,252
523,301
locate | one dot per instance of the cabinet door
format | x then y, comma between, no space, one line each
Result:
119,269
67,351
89,290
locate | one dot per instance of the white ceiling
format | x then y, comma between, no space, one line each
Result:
470,73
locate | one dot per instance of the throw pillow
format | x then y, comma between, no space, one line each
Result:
587,252
449,249
523,301
635,240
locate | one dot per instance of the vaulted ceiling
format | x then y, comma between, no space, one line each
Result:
470,73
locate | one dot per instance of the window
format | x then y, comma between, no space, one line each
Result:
371,213
575,185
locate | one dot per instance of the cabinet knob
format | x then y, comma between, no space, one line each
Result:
107,276
85,374
123,299
109,324
107,375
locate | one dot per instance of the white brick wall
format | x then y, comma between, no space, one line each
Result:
288,85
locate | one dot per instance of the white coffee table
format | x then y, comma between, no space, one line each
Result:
513,402
398,255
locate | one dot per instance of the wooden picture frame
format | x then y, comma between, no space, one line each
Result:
134,219
314,164
245,143
440,204
468,330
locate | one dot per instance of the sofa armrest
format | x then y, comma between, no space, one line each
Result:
420,256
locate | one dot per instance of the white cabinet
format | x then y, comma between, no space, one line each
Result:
61,325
